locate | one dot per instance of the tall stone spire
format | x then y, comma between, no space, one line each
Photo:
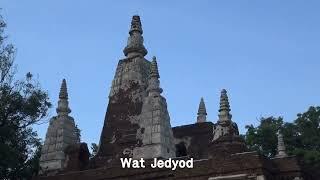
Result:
60,134
224,111
154,83
63,103
63,94
126,98
224,126
135,41
156,132
281,147
202,112
154,72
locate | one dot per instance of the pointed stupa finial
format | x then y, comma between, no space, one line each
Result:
135,41
136,25
154,83
63,90
202,112
154,72
224,111
63,104
281,149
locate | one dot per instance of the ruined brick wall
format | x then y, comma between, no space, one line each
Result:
195,138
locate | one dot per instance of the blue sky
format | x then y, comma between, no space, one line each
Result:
265,53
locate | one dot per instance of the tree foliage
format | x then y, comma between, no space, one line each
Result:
94,149
301,137
264,137
22,104
306,136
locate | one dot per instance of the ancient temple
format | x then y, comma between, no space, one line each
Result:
137,125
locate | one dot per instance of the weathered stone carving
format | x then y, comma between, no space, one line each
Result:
128,152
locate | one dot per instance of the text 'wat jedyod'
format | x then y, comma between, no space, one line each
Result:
137,125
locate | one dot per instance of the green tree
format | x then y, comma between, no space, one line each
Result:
263,138
301,137
306,133
22,104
